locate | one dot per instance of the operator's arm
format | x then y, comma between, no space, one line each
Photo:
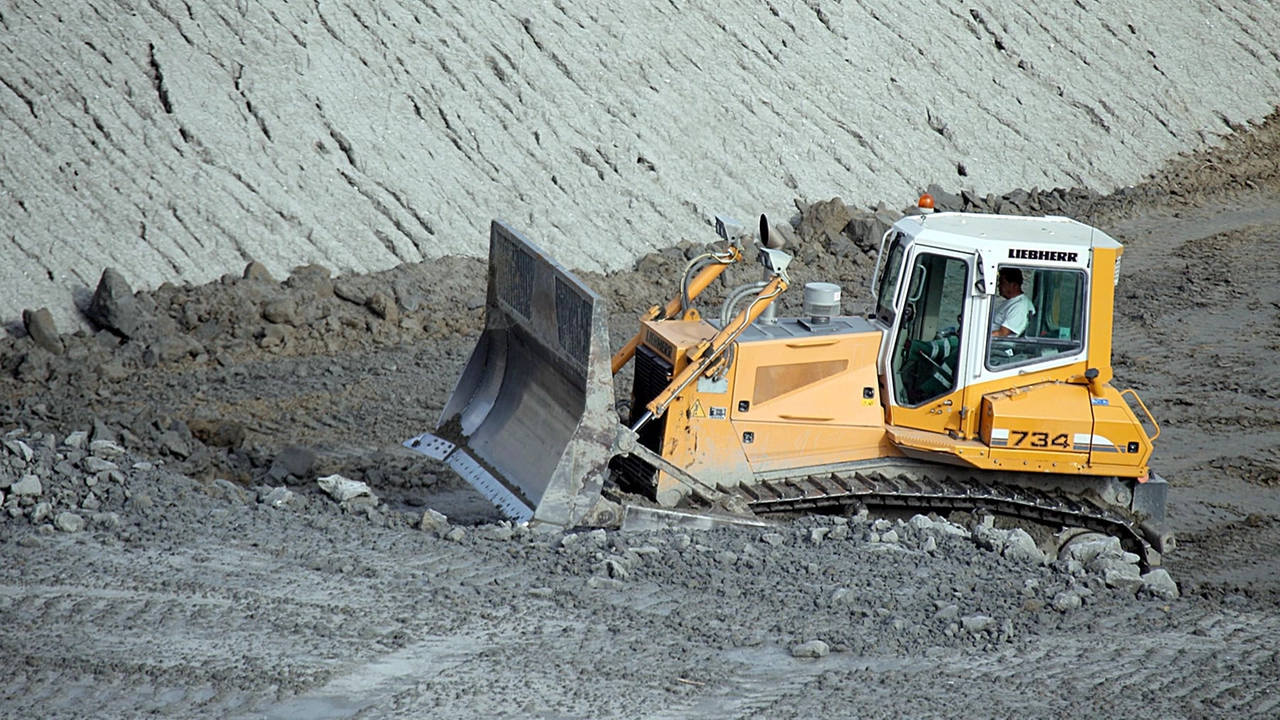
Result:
1017,313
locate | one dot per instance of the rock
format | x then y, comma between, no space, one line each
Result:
615,567
222,487
1020,546
76,439
343,489
218,433
773,539
817,535
812,649
1102,566
273,336
976,623
1159,584
293,461
105,449
112,371
823,220
258,272
1066,601
929,545
43,331
1087,550
106,520
68,522
501,532
33,368
314,276
28,486
40,512
944,201
843,596
434,522
101,432
384,307
347,290
889,536
1125,578
20,449
455,535
94,464
843,247
113,306
283,311
947,612
277,497
176,443
920,522
170,349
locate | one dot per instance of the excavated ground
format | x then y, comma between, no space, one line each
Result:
167,550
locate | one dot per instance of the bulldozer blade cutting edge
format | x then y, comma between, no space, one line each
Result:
473,472
532,413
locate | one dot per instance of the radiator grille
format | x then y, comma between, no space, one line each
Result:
652,376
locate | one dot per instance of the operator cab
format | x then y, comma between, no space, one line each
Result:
938,299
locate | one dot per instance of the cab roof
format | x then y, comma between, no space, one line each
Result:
1008,230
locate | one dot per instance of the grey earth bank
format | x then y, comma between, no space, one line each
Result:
179,141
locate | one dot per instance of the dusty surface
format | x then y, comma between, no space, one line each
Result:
177,141
166,549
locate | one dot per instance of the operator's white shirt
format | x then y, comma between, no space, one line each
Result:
1014,313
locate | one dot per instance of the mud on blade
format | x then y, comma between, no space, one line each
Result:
530,423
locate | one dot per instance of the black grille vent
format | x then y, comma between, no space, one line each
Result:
573,322
652,376
514,270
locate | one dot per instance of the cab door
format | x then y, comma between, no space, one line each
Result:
926,359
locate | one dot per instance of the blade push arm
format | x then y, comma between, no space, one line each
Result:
704,356
695,286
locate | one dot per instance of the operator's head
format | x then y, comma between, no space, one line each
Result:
1010,282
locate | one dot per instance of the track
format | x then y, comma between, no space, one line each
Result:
929,489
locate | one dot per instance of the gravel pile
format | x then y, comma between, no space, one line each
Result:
87,482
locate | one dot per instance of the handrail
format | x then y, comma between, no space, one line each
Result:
1150,417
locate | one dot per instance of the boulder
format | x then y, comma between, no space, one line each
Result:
812,649
43,331
113,306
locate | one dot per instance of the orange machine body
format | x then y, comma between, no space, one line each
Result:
813,393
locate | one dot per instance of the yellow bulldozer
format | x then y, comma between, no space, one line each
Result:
978,379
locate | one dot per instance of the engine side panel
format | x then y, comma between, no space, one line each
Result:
803,401
1033,429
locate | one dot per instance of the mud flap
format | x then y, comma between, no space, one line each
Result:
531,422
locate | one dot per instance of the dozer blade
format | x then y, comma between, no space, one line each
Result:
531,423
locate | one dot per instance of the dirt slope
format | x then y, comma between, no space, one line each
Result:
178,141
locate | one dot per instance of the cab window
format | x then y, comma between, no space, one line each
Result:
889,283
926,351
1039,319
